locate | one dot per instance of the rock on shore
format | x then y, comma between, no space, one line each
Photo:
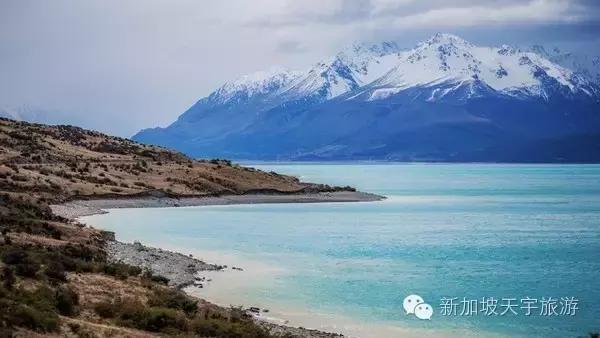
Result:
296,332
178,268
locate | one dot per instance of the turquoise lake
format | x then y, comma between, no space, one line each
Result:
446,230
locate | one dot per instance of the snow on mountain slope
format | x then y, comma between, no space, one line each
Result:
447,58
384,70
369,62
351,68
258,83
586,65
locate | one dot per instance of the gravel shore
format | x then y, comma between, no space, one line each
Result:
80,208
178,268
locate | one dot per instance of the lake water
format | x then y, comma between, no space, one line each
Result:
468,231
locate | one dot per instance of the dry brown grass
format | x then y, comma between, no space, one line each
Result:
74,327
61,162
95,288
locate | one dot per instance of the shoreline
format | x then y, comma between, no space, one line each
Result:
87,207
172,262
183,270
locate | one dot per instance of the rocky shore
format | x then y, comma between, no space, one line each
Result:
299,332
178,268
182,271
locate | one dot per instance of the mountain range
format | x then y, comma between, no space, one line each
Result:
444,100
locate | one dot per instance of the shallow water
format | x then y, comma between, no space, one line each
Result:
472,231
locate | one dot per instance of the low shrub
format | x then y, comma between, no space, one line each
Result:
105,309
132,313
23,263
173,299
42,298
155,278
219,328
157,319
55,271
14,255
8,278
66,301
121,271
29,317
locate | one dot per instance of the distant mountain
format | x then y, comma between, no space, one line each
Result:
585,65
444,100
55,117
26,113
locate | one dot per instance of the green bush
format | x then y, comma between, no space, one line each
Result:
128,311
27,269
68,263
173,299
158,319
82,252
105,309
66,301
8,277
42,298
22,261
221,328
121,271
55,271
132,313
155,278
29,317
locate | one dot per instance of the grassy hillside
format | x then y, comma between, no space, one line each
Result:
63,162
56,279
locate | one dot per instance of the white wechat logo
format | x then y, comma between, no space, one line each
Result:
414,304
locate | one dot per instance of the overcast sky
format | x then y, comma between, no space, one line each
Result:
118,66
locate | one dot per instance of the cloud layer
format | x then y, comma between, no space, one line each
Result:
120,65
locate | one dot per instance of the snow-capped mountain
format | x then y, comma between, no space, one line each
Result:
350,69
447,58
374,101
441,59
254,85
585,65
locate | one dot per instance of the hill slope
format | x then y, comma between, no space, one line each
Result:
64,162
57,277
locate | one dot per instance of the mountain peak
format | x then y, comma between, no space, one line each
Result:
360,52
380,49
446,39
261,82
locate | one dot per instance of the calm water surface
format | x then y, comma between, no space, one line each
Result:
472,231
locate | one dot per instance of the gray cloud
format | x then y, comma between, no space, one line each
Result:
291,46
419,14
120,65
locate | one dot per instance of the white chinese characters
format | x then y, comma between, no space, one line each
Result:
509,306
